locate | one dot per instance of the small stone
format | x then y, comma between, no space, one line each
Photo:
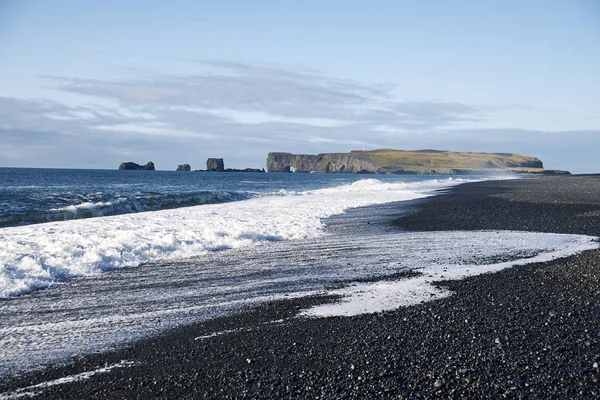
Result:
249,360
438,383
595,365
497,341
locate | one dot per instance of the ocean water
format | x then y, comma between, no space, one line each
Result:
31,196
61,224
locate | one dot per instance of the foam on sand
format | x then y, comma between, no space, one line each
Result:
108,310
364,298
36,390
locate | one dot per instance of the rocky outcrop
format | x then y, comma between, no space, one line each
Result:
137,167
215,165
405,162
183,167
330,162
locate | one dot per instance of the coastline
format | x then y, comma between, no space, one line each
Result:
525,331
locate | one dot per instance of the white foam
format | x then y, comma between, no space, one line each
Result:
364,298
245,329
35,390
96,314
40,255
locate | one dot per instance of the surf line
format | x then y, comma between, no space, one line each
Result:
34,390
246,329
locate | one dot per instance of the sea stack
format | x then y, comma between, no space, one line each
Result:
136,167
215,165
183,167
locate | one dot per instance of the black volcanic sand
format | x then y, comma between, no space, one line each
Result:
526,332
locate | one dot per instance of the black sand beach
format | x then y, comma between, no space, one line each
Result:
526,332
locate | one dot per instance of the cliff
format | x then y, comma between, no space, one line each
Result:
133,166
331,162
406,162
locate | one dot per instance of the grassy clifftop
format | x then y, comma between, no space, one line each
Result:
422,161
387,161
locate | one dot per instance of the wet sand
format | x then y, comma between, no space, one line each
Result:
525,332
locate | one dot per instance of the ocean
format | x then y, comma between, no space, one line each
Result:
31,196
121,255
56,224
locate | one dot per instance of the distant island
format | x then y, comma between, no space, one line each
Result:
137,167
418,162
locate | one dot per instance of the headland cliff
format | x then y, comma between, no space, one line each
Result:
387,161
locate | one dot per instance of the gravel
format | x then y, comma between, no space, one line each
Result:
525,332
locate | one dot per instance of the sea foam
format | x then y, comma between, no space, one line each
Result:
453,255
96,314
40,255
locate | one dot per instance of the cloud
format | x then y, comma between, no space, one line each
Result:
47,115
279,94
240,112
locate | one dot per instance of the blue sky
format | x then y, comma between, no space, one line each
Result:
90,84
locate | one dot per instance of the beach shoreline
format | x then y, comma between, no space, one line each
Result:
528,331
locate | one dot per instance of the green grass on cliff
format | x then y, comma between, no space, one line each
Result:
426,160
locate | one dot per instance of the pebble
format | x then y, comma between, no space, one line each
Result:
403,353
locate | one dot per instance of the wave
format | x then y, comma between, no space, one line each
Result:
99,205
40,255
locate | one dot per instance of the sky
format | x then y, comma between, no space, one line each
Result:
90,84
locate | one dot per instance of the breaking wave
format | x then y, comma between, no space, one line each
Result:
100,205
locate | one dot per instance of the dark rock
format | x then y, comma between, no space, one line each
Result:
137,167
215,165
184,167
328,163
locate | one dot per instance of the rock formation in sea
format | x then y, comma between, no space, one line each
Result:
215,165
133,166
388,161
183,167
218,165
